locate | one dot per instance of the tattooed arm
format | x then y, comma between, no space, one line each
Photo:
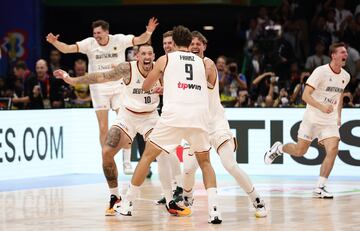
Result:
120,71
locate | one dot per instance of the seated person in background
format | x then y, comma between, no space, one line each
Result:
80,93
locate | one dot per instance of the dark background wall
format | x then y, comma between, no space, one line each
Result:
74,23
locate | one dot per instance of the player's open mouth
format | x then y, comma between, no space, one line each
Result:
147,62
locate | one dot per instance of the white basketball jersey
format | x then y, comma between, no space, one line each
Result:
135,98
186,102
101,58
328,87
217,111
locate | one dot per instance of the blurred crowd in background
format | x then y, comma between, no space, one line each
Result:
282,48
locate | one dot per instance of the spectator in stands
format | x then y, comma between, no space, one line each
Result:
81,93
295,98
231,83
15,84
242,99
283,99
347,100
54,61
36,90
262,90
351,34
318,59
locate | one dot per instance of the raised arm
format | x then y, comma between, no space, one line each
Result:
155,74
145,37
63,47
120,71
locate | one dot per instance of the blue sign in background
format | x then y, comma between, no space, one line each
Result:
20,32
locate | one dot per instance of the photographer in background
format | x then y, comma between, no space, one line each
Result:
295,98
263,88
232,82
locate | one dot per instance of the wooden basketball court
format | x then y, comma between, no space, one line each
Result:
81,206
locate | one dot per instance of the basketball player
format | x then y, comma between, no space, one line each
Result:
104,51
323,95
176,177
137,114
185,90
221,139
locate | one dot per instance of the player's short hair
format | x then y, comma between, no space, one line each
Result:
198,35
168,34
147,44
181,36
334,46
101,23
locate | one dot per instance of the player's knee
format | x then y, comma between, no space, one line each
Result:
190,169
113,137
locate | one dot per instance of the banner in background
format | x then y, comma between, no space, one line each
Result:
38,143
19,32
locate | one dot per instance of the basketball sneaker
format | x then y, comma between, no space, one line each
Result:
127,167
260,210
273,153
188,201
126,208
214,216
114,204
321,192
176,210
178,194
162,201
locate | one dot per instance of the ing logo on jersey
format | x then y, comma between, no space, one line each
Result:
13,43
189,86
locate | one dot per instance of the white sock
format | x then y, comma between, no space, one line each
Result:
280,148
165,175
175,170
114,191
133,192
253,194
212,198
178,179
126,155
321,182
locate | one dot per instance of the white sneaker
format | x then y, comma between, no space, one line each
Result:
126,208
214,216
128,170
273,153
188,201
260,210
321,192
